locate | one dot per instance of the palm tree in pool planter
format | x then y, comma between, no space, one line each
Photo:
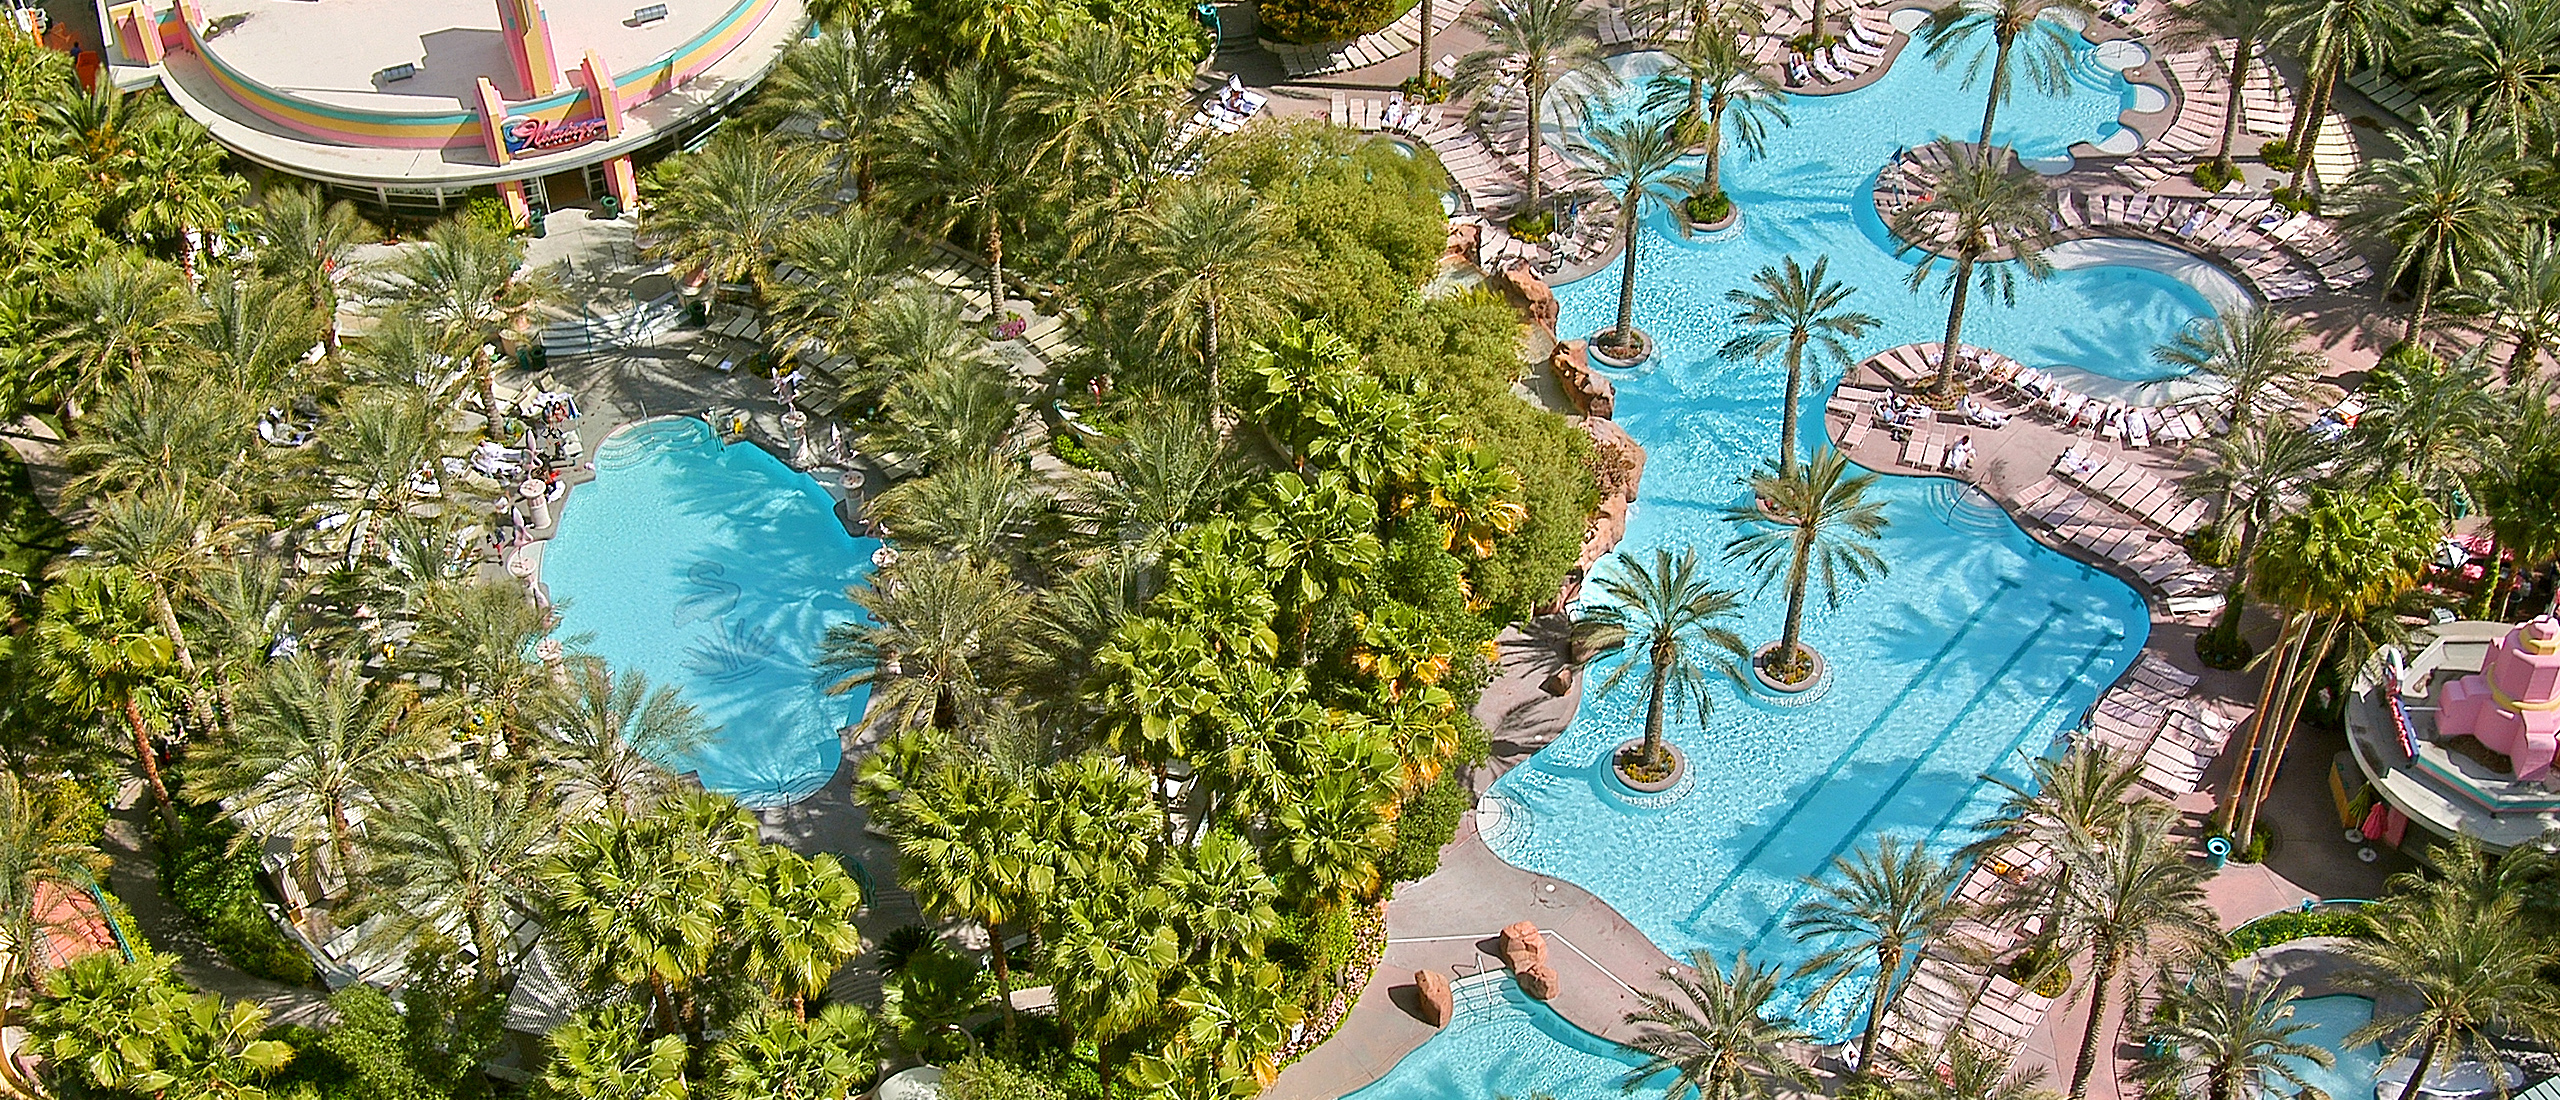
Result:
2018,33
1819,518
1639,158
2463,975
1796,310
1672,610
1717,88
1984,203
1884,907
1712,1039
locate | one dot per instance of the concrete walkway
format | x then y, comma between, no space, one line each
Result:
134,877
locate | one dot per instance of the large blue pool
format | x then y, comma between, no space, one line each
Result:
716,569
1500,1043
2331,1018
1967,661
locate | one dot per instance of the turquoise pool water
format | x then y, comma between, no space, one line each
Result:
717,570
1968,660
2331,1019
1500,1043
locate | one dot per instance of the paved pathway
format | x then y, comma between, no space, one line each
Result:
135,880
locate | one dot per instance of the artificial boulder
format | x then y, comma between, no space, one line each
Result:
1465,239
1523,946
1431,997
1619,461
1591,393
1538,981
1536,301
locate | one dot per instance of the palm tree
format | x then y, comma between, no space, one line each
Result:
2018,32
611,740
256,331
2519,288
984,506
160,433
796,922
2228,1037
2499,59
1885,906
1984,202
2471,977
1795,310
777,1056
1639,159
307,241
965,149
1969,1072
317,745
605,1054
1157,475
1672,610
2256,470
464,282
2242,27
450,851
173,186
479,638
846,80
169,539
114,320
636,905
1087,82
1818,518
1715,82
963,850
1110,959
2333,37
2079,798
98,653
2133,896
2427,420
842,265
1531,46
933,635
1335,831
2252,351
725,212
42,850
1712,1039
1211,258
2445,201
2347,554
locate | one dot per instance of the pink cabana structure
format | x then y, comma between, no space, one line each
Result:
2513,703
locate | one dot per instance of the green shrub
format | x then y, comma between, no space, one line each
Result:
1707,209
2285,927
2214,175
980,1077
1327,20
2300,202
2278,154
1364,213
1069,446
1534,226
1424,825
218,889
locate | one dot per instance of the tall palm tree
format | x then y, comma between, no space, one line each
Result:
1820,518
1880,908
843,265
2518,287
1712,1038
1531,47
781,1057
174,187
965,147
1984,202
98,653
2239,29
1086,81
847,81
984,506
1110,956
963,849
2072,801
2446,201
795,925
1639,160
115,319
935,636
725,212
2333,37
256,332
1672,610
2500,59
605,1053
2256,471
1967,1072
2471,977
1157,475
172,433
2225,1037
611,739
1715,83
2347,554
479,638
633,905
1211,258
463,281
1335,831
2133,896
454,851
2427,420
307,241
317,745
169,538
2004,35
1795,310
2253,352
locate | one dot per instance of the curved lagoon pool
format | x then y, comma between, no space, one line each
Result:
716,569
1500,1043
2331,1018
1968,659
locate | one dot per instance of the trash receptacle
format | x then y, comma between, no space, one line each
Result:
612,207
2218,850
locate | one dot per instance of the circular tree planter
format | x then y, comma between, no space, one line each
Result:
1621,358
1679,767
1760,670
1732,214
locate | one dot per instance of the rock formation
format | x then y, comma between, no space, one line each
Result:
1431,997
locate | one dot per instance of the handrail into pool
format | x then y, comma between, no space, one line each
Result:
1547,932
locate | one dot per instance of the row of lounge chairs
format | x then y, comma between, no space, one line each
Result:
2204,106
2133,490
2101,531
2035,391
1857,53
2283,255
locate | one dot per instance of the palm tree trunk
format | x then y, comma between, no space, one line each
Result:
1662,655
2306,671
2426,1061
1999,88
2102,974
1819,16
1004,978
2322,87
1963,289
2242,50
1422,53
150,761
341,840
1799,574
2426,298
1625,336
2235,789
1536,89
1879,1000
1787,419
995,267
2521,360
1209,355
485,371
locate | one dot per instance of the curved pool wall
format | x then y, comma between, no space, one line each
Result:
1970,658
2124,261
2331,1019
717,570
1500,1043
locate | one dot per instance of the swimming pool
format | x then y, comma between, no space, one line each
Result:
716,569
1500,1043
1969,659
2331,1019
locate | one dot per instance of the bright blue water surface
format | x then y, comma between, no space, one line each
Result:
1500,1043
2331,1019
717,570
1968,659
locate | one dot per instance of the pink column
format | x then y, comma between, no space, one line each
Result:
518,208
137,32
625,186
